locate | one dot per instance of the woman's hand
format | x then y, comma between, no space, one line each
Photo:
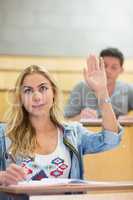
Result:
95,78
94,75
12,175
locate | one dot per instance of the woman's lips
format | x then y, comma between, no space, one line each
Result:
38,106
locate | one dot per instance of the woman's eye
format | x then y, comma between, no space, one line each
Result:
43,88
27,91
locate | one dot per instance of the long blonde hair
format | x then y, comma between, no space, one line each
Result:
19,128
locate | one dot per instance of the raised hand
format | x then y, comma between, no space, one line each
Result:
94,74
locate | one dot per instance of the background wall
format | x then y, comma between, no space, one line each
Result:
65,28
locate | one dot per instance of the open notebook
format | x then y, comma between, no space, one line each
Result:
52,181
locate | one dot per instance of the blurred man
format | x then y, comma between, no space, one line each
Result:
84,104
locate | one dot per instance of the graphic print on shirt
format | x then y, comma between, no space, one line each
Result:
54,165
58,163
55,169
33,171
59,166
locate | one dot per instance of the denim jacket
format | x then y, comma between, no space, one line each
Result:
79,140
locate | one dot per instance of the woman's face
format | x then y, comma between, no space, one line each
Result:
37,95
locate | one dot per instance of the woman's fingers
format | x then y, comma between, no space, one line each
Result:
101,63
91,67
92,64
16,171
102,67
9,179
13,174
94,74
85,73
97,67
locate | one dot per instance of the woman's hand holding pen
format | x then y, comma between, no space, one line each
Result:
12,175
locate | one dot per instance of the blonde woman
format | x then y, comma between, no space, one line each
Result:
40,143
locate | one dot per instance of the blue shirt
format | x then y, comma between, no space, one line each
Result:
79,140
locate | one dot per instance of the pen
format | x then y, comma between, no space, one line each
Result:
10,156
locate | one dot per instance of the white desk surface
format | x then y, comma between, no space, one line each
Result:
123,120
92,186
100,196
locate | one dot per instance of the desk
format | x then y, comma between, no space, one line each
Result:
105,196
124,121
95,190
116,164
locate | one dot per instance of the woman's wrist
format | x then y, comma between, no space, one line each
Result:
102,101
103,97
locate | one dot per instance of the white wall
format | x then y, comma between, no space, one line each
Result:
65,27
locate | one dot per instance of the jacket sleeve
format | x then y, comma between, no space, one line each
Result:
2,147
98,141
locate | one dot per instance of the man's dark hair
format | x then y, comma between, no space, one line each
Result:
113,52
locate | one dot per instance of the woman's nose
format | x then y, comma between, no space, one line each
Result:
36,96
